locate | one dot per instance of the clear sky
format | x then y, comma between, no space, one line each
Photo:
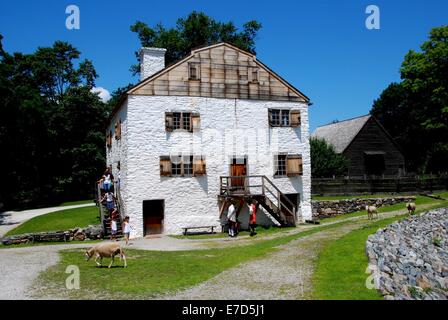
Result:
321,47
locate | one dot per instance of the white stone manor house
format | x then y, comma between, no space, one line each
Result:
217,126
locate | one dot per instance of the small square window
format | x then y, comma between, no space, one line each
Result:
254,75
176,165
275,117
285,118
280,165
186,121
188,165
176,120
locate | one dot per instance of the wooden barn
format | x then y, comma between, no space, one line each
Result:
369,149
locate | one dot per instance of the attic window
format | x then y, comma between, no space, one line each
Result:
194,71
254,75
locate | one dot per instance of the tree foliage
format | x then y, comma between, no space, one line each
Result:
415,111
325,162
51,126
195,30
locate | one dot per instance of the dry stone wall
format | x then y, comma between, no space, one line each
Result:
409,259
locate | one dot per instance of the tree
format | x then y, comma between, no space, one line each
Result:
325,162
415,111
196,30
51,126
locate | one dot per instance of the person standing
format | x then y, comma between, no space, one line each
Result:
231,216
113,229
127,229
253,218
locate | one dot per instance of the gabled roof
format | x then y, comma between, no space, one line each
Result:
341,134
221,44
165,70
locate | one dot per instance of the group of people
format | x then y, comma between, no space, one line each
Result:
109,198
234,223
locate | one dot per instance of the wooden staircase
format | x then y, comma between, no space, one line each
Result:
259,188
104,214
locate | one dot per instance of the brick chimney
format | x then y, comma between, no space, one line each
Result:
152,60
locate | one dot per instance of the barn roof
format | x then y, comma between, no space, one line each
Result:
341,134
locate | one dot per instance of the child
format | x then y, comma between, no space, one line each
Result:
252,218
113,229
127,229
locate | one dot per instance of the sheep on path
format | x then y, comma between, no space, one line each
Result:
108,249
371,211
411,207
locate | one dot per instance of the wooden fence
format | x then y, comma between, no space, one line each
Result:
359,185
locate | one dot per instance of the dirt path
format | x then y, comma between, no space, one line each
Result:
284,274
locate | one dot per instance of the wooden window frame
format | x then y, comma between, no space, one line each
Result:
118,130
291,157
292,115
252,72
286,173
196,166
276,165
177,120
109,139
197,67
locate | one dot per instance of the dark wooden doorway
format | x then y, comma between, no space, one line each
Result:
238,167
153,216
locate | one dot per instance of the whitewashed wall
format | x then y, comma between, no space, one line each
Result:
118,151
227,126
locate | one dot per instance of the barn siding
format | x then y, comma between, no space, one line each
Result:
373,138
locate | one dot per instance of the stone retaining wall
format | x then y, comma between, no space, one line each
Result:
328,208
77,234
409,259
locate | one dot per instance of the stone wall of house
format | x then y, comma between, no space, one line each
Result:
76,234
228,127
328,208
409,260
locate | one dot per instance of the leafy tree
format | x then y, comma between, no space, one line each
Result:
51,126
196,30
415,111
325,162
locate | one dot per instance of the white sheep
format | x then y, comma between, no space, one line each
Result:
411,207
371,211
108,249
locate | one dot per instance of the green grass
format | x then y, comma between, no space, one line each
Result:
59,220
154,272
340,270
74,203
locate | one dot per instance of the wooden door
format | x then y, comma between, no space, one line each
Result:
237,170
153,216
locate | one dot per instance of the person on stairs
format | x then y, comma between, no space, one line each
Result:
113,228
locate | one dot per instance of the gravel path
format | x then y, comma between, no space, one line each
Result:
286,272
282,275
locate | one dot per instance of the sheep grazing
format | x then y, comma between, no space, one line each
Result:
108,249
371,211
411,207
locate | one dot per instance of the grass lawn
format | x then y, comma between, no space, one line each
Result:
154,272
59,220
74,203
340,270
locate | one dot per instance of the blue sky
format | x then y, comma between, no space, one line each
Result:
321,47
